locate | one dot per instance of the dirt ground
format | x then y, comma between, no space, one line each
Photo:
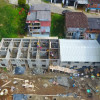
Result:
39,81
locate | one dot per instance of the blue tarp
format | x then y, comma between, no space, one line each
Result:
94,8
20,97
19,70
76,35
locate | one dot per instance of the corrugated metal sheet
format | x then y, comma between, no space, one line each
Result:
79,50
44,15
31,16
82,1
94,23
40,7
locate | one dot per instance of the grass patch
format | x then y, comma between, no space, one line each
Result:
12,23
57,25
46,1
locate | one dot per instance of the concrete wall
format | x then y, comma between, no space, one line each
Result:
75,33
78,65
27,53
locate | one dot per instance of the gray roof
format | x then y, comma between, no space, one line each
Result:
94,23
32,16
41,15
82,1
79,50
44,15
40,7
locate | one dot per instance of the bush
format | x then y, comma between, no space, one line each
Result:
88,10
22,2
26,7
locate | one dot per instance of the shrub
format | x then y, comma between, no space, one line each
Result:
22,2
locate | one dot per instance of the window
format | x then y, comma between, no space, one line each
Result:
34,65
43,60
69,62
97,62
36,28
43,65
76,62
86,62
93,62
3,64
13,64
74,67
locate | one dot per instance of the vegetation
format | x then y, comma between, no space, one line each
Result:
12,20
57,25
46,1
88,10
22,2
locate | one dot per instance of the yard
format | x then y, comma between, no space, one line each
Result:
12,20
57,25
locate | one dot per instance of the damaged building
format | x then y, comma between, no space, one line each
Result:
76,24
39,20
40,54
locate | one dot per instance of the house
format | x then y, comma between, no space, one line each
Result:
76,24
68,2
94,28
81,3
64,2
39,20
93,6
40,54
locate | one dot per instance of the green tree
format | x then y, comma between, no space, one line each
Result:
21,2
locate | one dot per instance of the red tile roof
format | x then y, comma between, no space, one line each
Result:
93,31
45,23
76,20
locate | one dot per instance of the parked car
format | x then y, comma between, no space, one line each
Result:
65,11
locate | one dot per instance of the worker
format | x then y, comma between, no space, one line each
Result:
47,50
37,43
40,48
98,74
88,90
73,85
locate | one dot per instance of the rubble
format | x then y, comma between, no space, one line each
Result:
45,85
6,84
63,81
4,92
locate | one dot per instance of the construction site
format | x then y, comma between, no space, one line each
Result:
40,69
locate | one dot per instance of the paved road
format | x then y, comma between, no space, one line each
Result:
57,8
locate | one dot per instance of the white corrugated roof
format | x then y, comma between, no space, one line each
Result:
79,50
82,1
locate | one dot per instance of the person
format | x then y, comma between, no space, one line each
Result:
71,77
73,85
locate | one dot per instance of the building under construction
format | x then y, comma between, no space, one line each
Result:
56,54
